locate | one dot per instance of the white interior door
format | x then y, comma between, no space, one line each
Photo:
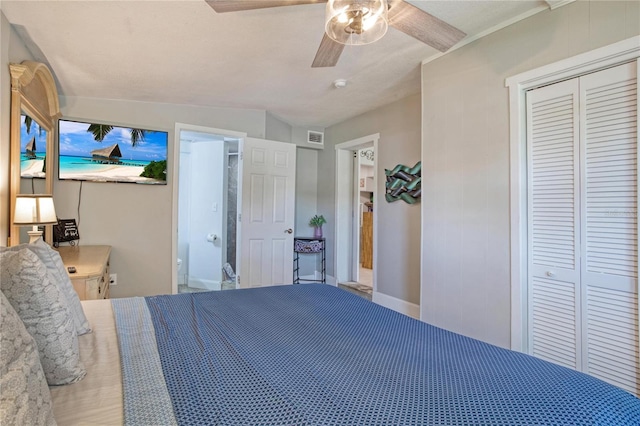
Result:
267,173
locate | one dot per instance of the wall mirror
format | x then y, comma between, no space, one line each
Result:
34,119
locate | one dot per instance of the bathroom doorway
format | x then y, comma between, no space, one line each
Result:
207,211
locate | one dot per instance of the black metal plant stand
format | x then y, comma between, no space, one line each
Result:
308,246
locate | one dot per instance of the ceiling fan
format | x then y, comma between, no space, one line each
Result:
357,22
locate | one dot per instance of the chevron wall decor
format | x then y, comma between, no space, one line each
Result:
404,183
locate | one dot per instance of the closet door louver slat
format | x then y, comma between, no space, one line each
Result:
609,270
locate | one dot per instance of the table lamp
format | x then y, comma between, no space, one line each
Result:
36,209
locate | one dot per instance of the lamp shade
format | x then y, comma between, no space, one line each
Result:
356,22
34,210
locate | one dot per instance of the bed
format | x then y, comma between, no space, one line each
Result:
311,354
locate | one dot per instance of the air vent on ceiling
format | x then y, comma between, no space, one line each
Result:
316,138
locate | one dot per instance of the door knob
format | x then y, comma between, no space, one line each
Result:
550,274
289,231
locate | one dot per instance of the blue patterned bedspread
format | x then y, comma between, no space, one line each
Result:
314,354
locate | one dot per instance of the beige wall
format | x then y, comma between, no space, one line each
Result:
465,154
5,106
136,219
398,243
12,50
306,203
299,135
276,129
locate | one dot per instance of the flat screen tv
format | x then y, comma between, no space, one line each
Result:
105,153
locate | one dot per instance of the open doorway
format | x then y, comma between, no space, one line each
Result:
207,211
364,209
356,223
206,192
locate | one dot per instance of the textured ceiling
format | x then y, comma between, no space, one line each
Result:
183,52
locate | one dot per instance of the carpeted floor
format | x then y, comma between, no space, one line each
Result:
183,288
355,288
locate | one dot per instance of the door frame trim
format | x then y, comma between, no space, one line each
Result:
344,224
605,57
179,127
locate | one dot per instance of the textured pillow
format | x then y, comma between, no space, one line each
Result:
24,394
53,262
43,309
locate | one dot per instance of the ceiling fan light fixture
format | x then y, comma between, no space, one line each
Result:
356,22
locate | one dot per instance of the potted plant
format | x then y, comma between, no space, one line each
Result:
317,221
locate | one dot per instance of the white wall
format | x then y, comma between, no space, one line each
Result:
206,213
398,242
465,155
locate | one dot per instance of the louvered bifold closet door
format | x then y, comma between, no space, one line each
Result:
553,216
609,276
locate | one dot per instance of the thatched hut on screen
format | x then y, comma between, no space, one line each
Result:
109,155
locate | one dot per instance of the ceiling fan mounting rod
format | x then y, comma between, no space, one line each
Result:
355,20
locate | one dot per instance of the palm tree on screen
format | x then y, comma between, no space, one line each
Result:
100,131
28,122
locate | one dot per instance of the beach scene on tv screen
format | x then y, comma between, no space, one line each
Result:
104,153
33,148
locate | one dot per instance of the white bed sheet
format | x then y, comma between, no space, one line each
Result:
96,399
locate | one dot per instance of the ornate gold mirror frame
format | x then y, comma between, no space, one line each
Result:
34,94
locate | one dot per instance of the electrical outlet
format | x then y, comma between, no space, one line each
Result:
113,279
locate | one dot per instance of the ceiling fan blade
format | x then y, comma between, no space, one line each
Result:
423,26
328,53
222,6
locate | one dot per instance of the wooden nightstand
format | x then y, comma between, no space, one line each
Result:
91,279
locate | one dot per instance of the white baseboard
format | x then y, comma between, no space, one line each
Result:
204,284
398,305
